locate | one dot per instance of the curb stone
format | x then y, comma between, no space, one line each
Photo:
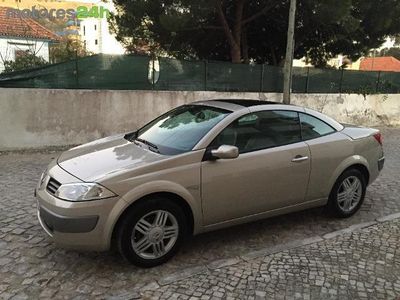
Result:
280,248
126,295
184,274
150,286
388,218
40,150
349,229
223,263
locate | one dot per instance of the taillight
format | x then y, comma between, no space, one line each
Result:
378,137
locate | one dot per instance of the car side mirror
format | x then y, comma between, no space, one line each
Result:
225,152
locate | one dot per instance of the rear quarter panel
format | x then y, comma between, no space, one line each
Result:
372,151
330,156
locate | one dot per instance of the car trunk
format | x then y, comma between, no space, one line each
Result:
358,132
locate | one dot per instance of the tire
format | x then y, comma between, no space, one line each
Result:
151,212
344,205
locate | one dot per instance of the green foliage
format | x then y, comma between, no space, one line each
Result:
193,29
23,62
395,52
67,49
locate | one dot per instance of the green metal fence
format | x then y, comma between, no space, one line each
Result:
130,72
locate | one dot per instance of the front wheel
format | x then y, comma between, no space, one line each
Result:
151,232
347,194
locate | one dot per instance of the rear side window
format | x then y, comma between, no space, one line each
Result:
261,130
312,127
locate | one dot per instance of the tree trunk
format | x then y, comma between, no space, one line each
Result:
234,35
245,47
273,55
236,54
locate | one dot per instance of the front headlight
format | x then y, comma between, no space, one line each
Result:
83,192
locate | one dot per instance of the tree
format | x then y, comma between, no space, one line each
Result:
179,27
395,52
244,30
67,49
27,61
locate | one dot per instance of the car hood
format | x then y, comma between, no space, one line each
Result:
95,160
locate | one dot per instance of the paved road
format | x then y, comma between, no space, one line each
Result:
364,264
31,266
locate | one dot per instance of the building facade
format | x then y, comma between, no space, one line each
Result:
19,36
97,38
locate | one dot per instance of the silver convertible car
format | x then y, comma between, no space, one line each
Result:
201,167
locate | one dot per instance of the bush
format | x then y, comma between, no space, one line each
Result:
23,62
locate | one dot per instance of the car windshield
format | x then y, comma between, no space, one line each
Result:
179,130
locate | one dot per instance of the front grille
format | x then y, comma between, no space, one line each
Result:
52,186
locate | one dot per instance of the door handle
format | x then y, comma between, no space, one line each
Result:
299,158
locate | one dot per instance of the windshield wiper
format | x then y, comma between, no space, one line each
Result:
132,137
152,146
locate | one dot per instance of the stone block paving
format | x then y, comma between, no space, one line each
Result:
364,264
32,267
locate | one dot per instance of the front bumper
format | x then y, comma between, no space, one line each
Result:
86,225
381,163
59,223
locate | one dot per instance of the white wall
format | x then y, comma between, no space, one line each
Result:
89,34
34,118
106,42
92,29
8,46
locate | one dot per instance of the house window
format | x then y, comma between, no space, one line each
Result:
84,30
95,27
20,53
95,42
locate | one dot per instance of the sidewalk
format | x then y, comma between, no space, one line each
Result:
359,264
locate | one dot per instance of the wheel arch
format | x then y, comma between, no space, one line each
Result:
171,196
353,162
362,168
334,207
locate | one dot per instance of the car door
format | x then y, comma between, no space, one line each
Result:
328,150
271,171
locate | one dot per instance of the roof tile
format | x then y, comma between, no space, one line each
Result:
23,27
387,63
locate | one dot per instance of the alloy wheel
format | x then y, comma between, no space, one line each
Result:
349,193
155,234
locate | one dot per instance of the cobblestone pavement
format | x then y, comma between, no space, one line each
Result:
364,264
31,266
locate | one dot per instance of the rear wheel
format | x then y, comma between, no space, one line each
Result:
347,194
151,232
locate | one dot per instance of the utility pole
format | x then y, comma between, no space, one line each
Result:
287,72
